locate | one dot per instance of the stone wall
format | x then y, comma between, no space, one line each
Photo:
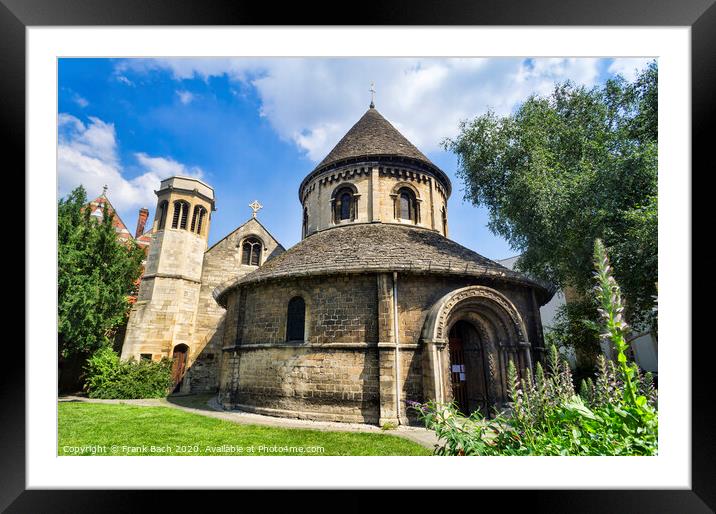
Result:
332,375
308,382
174,252
155,327
339,309
345,368
221,262
374,186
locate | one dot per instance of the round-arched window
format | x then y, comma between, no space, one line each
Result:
296,319
344,205
407,208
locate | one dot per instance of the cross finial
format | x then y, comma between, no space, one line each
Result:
104,190
372,95
255,206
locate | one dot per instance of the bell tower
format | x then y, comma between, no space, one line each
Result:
161,323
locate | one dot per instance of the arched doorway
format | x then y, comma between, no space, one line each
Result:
485,321
179,360
468,375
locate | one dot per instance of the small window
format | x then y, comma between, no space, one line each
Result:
407,208
197,219
344,205
181,214
202,213
162,214
296,319
444,217
145,356
305,221
251,252
345,208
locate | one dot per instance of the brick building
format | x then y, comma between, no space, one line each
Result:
374,307
140,237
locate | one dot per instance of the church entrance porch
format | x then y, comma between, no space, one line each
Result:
468,370
470,336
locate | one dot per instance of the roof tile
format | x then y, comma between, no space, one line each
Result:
379,247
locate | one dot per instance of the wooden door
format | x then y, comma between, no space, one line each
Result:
458,375
179,364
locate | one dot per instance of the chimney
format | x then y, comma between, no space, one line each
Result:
141,221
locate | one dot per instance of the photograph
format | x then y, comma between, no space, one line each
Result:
357,256
432,251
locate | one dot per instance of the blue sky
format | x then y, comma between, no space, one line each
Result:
253,128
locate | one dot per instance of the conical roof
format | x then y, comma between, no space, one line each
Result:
374,138
372,135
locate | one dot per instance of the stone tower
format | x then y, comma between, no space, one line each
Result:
375,175
161,323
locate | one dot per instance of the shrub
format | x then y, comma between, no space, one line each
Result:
108,377
614,415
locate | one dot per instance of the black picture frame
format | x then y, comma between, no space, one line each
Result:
700,15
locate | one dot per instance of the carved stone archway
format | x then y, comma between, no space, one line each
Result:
500,324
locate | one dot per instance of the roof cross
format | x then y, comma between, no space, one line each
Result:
372,95
255,206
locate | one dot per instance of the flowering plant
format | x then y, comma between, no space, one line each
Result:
616,414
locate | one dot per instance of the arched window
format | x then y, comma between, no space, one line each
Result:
181,214
305,221
296,319
202,213
407,205
251,251
344,205
162,214
197,219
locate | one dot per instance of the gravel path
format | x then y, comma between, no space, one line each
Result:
206,405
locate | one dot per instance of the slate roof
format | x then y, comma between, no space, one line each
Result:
372,135
380,247
372,138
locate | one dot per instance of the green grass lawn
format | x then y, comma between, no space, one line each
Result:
119,429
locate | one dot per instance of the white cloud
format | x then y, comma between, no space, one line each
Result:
82,102
185,97
166,167
313,102
124,80
628,67
87,154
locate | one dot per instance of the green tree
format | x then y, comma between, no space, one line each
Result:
568,168
96,274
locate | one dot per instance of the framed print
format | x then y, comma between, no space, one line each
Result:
348,233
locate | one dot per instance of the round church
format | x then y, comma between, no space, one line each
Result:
375,306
